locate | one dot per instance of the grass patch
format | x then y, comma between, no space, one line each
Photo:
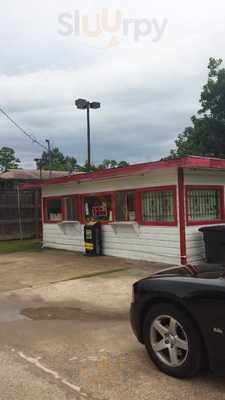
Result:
13,246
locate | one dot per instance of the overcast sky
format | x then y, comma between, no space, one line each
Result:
146,64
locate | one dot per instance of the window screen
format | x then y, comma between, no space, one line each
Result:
158,206
70,209
54,210
125,206
203,204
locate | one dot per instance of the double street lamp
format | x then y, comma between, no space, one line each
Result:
82,104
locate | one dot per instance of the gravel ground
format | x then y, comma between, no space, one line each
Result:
72,339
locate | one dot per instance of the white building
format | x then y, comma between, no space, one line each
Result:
149,211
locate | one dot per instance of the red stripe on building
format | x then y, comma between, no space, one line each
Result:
192,161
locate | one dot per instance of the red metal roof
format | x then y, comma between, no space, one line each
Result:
190,161
29,174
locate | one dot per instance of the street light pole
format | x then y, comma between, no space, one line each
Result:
88,138
82,104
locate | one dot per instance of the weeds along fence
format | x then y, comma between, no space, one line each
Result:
20,214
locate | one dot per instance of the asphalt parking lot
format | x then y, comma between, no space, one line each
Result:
65,333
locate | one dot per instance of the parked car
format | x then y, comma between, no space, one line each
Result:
179,315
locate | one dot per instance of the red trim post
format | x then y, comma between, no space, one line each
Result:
181,198
42,212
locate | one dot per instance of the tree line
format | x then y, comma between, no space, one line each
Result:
206,134
204,137
57,161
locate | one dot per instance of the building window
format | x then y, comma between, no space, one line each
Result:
158,207
125,206
98,208
70,210
204,204
53,210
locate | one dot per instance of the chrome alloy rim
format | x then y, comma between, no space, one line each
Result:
169,341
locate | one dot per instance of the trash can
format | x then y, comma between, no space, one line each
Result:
93,239
214,238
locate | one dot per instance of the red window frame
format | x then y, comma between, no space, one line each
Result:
138,205
114,194
170,188
62,208
96,194
220,189
45,209
76,201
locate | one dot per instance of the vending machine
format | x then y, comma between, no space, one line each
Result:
93,238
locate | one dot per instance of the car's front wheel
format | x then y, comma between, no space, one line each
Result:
172,341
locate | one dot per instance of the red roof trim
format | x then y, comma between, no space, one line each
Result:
191,161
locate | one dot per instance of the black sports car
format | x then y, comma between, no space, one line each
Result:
179,315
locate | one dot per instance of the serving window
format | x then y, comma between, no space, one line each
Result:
158,206
154,206
125,207
53,210
98,208
204,204
70,209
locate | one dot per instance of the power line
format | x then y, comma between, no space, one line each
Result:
29,135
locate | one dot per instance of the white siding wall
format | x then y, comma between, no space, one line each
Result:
194,239
68,237
144,243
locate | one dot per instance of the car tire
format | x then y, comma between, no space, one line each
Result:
172,341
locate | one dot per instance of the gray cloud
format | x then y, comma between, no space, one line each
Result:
148,90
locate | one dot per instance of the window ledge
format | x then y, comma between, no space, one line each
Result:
68,222
67,227
123,223
132,224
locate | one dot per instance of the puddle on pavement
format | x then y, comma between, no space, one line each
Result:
11,314
71,313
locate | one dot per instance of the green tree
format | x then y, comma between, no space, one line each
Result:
71,164
85,168
206,136
122,164
8,159
58,161
112,164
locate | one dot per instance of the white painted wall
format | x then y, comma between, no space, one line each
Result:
154,178
194,238
150,243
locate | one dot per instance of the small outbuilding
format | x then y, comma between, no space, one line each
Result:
150,211
20,211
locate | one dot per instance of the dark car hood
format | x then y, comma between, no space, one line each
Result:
204,271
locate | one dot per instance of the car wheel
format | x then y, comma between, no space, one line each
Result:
172,341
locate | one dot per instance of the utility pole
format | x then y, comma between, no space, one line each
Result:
39,165
49,157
